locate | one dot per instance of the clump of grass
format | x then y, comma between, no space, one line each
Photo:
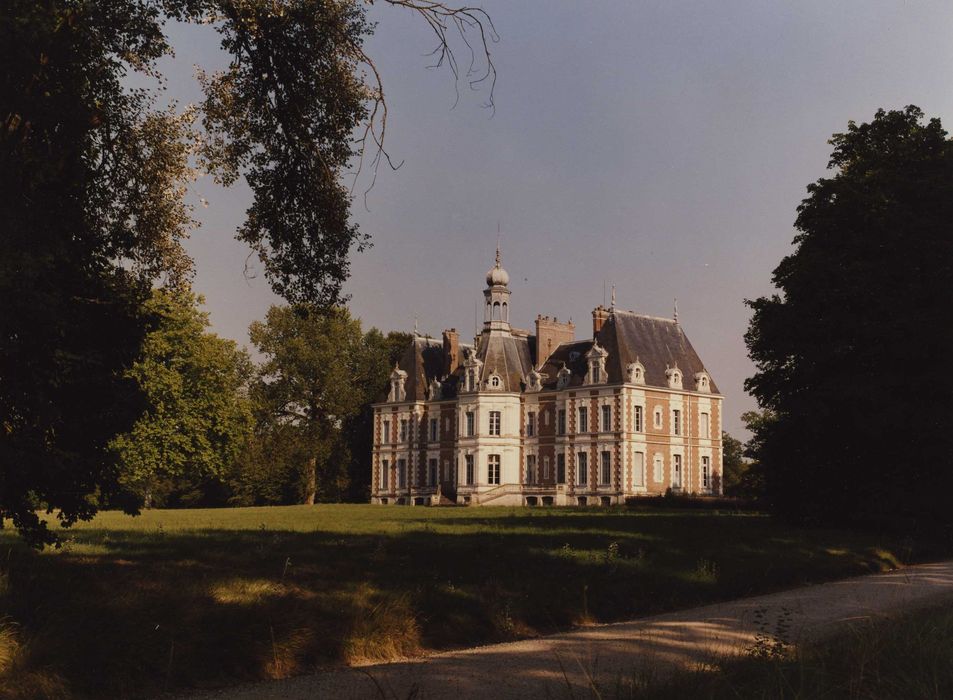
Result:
888,659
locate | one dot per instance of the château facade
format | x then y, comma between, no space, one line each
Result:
545,419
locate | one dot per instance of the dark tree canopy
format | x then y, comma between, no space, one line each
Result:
852,353
93,179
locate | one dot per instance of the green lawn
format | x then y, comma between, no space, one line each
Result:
176,599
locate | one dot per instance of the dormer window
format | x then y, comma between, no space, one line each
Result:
562,379
495,382
534,382
702,382
596,360
472,370
674,377
397,379
635,372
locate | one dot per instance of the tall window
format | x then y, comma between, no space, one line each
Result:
471,424
638,469
403,429
493,469
606,419
657,469
385,472
469,468
639,425
531,469
531,424
582,469
605,468
583,426
432,472
494,422
676,422
561,422
401,473
706,426
560,468
676,471
545,468
385,431
434,430
706,472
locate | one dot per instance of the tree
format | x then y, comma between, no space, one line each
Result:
851,354
197,414
310,385
94,177
734,463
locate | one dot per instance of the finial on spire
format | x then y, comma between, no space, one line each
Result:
676,309
415,326
612,307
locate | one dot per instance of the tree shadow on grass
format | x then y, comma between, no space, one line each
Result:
122,613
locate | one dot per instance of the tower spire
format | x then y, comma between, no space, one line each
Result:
612,307
676,309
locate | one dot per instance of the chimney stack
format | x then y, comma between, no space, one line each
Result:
600,315
550,334
451,351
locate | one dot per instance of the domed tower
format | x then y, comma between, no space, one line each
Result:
496,312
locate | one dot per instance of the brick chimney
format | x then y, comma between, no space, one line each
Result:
451,351
550,333
600,315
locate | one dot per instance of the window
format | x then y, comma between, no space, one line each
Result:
561,422
531,424
434,430
403,430
638,469
706,426
639,427
676,422
657,469
495,382
531,469
605,469
432,472
582,469
494,422
385,472
401,473
385,432
658,417
606,419
471,423
493,469
583,426
545,468
676,471
560,469
469,474
706,473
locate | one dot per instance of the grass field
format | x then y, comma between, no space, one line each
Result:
202,598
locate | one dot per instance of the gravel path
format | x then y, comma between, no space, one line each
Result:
566,665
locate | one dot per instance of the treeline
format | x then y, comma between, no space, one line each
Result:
217,429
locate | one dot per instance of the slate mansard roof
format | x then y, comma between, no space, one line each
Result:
658,343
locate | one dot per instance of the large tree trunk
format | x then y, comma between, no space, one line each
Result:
311,485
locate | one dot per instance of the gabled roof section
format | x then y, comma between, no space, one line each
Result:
507,355
658,343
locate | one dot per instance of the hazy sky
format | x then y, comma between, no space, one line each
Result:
659,146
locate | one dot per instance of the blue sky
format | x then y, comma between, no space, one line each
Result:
662,147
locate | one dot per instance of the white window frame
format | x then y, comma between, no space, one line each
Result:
468,476
530,423
638,469
582,469
469,421
582,419
496,422
605,468
434,430
706,472
705,425
676,421
531,474
605,415
638,418
658,469
385,432
494,469
385,473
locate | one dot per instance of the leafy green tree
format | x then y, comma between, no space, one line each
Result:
851,354
198,414
733,462
311,377
94,177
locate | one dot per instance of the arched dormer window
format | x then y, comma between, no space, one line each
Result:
472,370
563,377
635,372
596,360
397,379
534,382
495,382
674,377
702,382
